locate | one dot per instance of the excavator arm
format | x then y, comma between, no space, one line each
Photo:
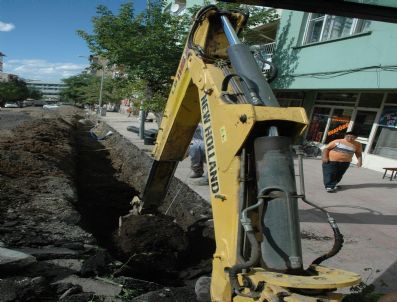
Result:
248,139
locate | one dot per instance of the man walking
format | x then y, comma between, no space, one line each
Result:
337,156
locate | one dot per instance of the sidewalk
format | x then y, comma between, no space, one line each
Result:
119,122
365,210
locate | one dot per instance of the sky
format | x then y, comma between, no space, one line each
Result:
39,39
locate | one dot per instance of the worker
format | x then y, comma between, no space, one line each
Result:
337,156
197,156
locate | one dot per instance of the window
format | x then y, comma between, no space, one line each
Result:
318,124
290,99
345,99
385,142
370,100
321,27
363,123
340,120
391,98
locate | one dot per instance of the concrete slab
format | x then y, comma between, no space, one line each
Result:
365,210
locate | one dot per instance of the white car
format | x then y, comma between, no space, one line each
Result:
11,105
51,106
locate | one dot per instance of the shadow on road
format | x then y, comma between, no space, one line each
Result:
365,215
369,185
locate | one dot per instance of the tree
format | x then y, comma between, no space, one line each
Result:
13,91
35,94
148,45
84,89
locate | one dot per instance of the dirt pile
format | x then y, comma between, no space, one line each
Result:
154,245
37,194
61,196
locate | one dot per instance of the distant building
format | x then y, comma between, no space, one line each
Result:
6,77
1,61
50,91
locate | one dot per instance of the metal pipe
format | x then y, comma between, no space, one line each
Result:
100,90
229,31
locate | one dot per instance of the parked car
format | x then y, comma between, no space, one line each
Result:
51,106
11,105
27,103
38,103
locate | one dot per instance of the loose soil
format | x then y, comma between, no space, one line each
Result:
60,188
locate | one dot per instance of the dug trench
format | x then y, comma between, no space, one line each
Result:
153,246
63,193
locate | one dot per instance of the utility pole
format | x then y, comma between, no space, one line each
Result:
141,110
100,91
93,60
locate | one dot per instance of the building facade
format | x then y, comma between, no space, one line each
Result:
343,71
1,61
50,91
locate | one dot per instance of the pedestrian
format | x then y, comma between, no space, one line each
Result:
197,156
129,111
337,156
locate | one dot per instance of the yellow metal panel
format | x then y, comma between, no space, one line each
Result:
321,278
180,119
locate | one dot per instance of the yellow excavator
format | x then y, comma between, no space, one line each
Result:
249,140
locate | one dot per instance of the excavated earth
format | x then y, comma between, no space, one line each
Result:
62,195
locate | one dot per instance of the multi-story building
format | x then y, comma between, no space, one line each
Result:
344,72
1,61
50,91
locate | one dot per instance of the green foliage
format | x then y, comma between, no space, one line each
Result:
148,45
12,91
35,94
84,89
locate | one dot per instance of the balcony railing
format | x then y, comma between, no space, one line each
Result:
264,53
267,50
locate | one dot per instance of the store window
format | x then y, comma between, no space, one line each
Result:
339,123
385,142
391,98
318,124
364,122
370,100
321,27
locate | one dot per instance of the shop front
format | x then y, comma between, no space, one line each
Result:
372,115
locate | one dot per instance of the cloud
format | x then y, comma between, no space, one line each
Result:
32,69
6,26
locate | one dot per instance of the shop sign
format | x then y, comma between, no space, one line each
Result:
338,129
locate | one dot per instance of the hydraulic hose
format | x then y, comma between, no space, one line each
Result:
338,237
254,256
238,268
338,243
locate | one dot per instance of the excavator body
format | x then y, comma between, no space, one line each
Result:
250,163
